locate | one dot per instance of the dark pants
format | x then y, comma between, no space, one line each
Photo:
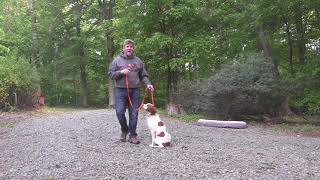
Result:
122,103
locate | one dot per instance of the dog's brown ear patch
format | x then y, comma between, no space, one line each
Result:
152,110
160,123
162,134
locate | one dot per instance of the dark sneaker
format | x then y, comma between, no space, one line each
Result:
134,140
123,136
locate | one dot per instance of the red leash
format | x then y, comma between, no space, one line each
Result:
144,96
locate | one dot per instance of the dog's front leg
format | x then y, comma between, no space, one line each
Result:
153,134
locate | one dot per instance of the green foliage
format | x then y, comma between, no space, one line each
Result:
20,77
97,86
60,86
307,101
179,41
239,89
15,22
3,49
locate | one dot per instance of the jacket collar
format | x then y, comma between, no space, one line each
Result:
125,57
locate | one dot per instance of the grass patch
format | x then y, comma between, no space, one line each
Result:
299,124
182,117
296,127
188,117
5,123
303,119
60,109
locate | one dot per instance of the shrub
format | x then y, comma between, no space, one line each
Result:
192,95
18,77
239,89
308,99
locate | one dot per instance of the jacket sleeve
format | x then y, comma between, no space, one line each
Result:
114,72
144,76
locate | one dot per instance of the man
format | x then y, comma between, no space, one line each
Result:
127,64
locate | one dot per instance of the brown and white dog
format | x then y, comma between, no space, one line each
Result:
160,136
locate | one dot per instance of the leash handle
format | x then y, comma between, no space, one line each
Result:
144,96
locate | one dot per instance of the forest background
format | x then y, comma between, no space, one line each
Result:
231,58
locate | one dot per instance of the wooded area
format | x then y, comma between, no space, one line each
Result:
215,57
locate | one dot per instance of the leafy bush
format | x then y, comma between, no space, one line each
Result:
60,90
18,77
192,95
239,89
308,100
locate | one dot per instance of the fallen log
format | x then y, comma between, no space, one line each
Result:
222,124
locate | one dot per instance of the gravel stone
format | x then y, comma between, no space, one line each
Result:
85,145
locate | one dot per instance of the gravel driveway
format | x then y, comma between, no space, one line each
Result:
85,145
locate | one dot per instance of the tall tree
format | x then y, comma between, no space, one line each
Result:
35,41
106,13
80,52
169,34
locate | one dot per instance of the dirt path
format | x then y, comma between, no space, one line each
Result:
85,145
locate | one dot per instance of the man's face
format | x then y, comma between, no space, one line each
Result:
128,50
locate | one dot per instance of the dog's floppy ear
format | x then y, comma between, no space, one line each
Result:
151,109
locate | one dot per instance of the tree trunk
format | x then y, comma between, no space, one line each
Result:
35,45
84,83
290,55
173,109
106,13
284,108
300,33
81,54
267,49
168,87
111,51
172,88
317,9
35,41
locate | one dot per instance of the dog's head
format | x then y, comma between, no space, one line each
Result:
150,108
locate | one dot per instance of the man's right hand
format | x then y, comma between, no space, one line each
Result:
125,71
150,87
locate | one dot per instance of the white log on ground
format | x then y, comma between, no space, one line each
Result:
222,124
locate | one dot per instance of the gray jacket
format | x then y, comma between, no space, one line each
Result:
135,76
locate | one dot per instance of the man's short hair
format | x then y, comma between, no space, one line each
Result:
128,41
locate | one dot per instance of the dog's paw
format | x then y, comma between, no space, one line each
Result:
155,146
